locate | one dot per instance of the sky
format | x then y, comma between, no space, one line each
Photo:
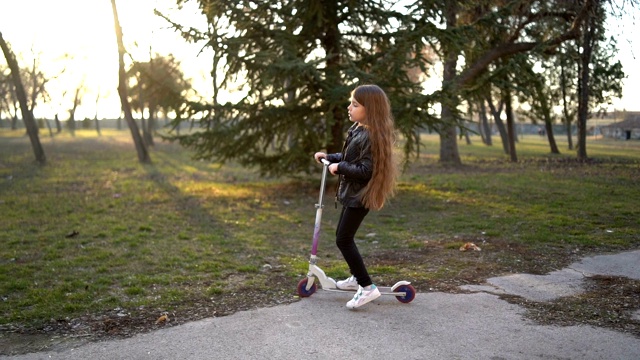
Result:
83,30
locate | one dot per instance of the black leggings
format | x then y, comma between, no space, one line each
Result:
350,220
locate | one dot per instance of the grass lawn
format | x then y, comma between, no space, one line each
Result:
96,236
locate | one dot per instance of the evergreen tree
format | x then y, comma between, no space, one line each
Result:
297,61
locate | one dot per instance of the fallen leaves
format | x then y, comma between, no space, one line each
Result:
162,319
469,246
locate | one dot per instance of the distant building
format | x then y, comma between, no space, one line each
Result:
627,129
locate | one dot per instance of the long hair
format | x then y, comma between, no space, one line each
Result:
379,123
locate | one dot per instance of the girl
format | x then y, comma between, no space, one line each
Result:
367,177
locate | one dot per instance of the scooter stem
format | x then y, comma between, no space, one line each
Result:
319,206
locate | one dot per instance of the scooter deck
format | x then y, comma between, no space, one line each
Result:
384,290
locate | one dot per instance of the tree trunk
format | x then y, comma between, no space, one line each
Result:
151,125
552,140
27,116
484,125
96,117
448,140
565,108
467,138
331,45
465,131
569,135
502,130
510,125
583,100
143,127
546,111
58,124
71,123
143,154
46,121
144,123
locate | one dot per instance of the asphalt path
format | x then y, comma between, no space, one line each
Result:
473,325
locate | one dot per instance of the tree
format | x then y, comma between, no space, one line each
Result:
95,119
563,71
296,62
537,89
500,30
157,85
6,93
448,145
588,35
497,113
599,79
36,84
504,29
141,149
77,100
541,107
27,114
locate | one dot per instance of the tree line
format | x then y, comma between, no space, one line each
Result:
301,58
296,61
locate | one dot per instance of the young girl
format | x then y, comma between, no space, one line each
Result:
367,177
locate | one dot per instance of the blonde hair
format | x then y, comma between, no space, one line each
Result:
379,123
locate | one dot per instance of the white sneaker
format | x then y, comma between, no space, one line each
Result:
363,296
348,284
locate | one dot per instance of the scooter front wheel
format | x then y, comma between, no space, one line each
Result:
410,293
302,288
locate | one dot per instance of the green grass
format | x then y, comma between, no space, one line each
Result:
181,231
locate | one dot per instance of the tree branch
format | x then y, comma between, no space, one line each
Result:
509,49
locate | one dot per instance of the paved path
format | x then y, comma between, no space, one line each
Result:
477,325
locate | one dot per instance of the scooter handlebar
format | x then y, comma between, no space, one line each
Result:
325,162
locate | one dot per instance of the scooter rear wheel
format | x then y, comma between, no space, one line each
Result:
410,293
302,288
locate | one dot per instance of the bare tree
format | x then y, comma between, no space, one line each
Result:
27,114
36,81
96,117
77,101
143,153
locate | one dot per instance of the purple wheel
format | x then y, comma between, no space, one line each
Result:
410,293
302,288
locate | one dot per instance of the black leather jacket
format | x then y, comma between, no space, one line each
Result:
355,166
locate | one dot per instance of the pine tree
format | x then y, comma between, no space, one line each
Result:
298,60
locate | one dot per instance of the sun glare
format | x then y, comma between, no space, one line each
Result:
74,44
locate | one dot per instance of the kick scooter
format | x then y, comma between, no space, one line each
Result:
402,290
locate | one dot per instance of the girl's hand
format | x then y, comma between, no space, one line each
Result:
319,155
333,169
